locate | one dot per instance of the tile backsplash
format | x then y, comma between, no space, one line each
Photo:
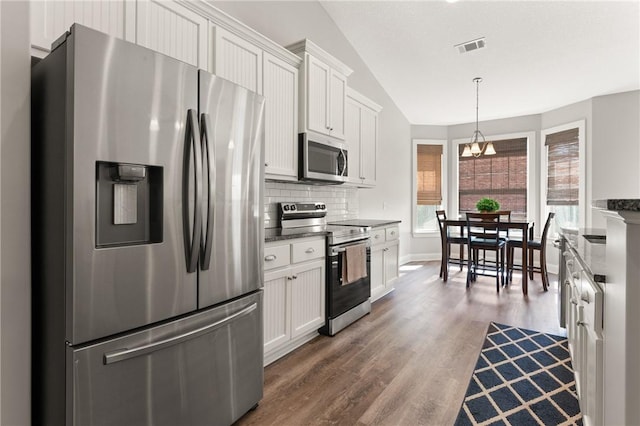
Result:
341,201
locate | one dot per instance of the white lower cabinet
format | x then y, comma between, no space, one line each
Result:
384,260
294,294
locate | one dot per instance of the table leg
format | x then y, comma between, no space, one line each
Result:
525,267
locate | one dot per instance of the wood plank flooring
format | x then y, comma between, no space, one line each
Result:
409,361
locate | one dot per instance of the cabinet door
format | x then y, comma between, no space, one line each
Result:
318,75
51,18
390,264
337,104
368,145
280,86
237,60
352,137
377,271
307,297
591,399
277,314
170,28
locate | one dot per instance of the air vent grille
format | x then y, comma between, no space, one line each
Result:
468,46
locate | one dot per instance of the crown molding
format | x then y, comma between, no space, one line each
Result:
307,46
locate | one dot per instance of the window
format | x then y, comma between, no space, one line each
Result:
429,185
502,176
562,174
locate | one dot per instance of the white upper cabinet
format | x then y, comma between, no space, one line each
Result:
323,88
362,138
50,19
170,28
280,86
236,59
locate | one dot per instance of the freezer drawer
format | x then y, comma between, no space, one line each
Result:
203,369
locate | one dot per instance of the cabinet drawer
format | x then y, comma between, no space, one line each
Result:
591,299
276,256
392,233
307,250
377,236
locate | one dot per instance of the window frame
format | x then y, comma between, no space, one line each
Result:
414,184
544,155
532,183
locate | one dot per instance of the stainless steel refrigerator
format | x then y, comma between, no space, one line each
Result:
147,182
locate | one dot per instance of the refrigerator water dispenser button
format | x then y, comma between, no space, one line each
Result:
125,204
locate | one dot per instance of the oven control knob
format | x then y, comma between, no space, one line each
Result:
293,207
286,207
318,207
323,207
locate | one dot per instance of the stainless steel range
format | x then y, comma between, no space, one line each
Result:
348,266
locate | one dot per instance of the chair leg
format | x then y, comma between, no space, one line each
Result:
530,265
509,264
543,270
469,268
461,255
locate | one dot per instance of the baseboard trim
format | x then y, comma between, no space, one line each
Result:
420,257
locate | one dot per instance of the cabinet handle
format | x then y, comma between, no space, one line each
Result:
579,323
362,177
576,275
574,301
295,277
289,278
386,249
310,250
570,263
270,258
266,164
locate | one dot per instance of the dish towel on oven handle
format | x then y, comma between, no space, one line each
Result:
354,263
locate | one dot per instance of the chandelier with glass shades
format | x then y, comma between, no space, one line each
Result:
473,148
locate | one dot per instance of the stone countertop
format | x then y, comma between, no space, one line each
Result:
592,255
278,234
374,223
629,204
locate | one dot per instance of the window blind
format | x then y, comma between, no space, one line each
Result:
502,176
563,168
429,174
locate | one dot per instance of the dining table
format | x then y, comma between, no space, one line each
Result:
526,228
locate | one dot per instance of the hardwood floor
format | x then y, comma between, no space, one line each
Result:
409,361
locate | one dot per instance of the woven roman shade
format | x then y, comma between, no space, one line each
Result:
429,175
563,168
502,176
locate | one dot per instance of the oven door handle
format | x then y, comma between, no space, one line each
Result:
334,251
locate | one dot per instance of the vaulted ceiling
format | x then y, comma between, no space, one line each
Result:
539,55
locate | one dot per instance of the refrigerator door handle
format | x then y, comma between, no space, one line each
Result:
126,353
205,128
192,236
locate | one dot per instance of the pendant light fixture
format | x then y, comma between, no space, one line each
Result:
473,148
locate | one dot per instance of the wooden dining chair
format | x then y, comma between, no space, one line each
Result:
448,238
532,246
483,233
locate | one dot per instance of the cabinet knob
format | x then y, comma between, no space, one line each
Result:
393,232
310,250
570,263
576,275
270,258
289,278
266,164
295,277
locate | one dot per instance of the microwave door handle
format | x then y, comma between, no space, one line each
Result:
192,235
208,152
342,170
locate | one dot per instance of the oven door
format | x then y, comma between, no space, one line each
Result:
323,161
343,297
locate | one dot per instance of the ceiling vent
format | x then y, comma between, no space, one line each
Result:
468,46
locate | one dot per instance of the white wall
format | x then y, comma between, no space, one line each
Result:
616,129
15,265
286,22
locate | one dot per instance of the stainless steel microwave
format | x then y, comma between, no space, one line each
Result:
322,159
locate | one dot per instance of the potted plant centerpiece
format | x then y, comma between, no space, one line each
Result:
487,205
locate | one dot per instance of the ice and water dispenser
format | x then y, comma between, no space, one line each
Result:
129,204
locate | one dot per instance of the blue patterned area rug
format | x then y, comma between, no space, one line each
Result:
522,377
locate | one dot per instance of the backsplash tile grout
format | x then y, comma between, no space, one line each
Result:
341,201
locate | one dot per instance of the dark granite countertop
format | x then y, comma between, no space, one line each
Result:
620,204
591,251
277,234
374,223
